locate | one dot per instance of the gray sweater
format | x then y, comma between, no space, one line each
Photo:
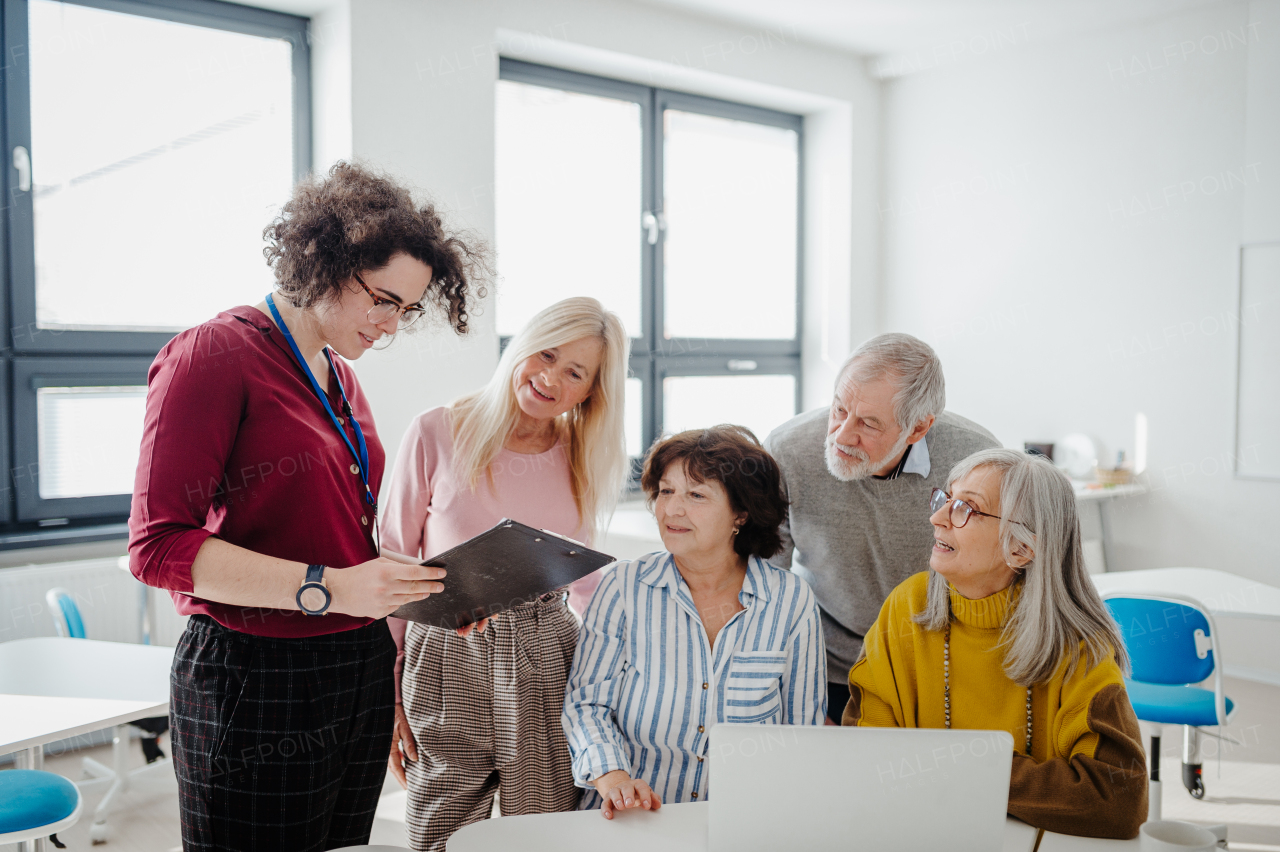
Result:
856,541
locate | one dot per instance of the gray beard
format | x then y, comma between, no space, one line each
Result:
846,471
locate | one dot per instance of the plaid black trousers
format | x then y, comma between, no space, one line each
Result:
280,744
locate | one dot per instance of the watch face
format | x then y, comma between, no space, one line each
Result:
313,598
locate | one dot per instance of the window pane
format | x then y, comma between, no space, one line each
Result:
760,403
634,412
730,195
159,153
568,202
89,439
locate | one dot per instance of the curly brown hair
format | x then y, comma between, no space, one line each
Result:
733,457
355,220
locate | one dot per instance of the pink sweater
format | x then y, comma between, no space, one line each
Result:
428,510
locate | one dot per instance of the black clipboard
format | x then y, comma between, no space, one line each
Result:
505,566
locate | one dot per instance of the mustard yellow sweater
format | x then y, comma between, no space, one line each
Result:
1086,774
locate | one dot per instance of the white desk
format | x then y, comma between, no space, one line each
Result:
673,828
52,688
1065,843
1223,594
1247,613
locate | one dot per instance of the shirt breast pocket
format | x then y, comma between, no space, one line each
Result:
753,691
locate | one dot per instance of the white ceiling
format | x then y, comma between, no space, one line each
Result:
898,32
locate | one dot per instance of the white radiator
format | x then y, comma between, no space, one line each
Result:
109,599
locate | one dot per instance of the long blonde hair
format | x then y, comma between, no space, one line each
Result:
1059,609
594,429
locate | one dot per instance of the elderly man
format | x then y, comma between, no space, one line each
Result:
859,476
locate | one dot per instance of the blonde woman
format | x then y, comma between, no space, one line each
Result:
1007,632
479,711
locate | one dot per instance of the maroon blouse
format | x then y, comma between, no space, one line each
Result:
236,444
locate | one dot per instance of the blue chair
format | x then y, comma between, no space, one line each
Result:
1170,639
35,804
69,624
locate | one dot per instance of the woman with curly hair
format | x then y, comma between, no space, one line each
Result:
255,505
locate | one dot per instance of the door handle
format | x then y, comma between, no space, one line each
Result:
654,224
22,163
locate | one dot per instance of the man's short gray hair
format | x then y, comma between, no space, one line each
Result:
912,365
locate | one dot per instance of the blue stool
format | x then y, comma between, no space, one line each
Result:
35,804
1170,640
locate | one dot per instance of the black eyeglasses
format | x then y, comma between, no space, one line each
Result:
384,309
960,510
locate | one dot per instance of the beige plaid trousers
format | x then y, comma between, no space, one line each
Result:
485,711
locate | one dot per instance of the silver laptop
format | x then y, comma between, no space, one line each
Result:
877,789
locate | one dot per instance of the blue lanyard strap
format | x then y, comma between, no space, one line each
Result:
361,457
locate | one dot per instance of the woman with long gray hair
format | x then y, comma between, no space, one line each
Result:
1005,631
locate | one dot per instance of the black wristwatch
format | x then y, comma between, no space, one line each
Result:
313,595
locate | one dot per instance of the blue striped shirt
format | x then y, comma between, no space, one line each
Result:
646,685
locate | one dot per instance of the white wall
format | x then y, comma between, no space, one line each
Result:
421,93
1063,223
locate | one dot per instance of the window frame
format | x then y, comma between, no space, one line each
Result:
28,351
653,356
31,374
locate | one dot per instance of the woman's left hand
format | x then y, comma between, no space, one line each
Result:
402,745
619,792
465,630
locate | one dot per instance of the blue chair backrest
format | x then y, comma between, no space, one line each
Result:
70,615
1160,636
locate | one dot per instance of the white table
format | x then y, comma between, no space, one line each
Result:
1246,612
1065,843
1223,594
54,688
673,828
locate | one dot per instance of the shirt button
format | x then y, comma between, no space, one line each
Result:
355,468
699,760
704,686
340,421
695,795
699,729
364,520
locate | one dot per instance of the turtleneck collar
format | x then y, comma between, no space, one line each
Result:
987,613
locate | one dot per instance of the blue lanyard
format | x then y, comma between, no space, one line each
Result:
361,457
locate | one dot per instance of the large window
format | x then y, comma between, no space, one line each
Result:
681,214
148,144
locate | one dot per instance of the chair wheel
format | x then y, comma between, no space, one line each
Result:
1192,780
98,833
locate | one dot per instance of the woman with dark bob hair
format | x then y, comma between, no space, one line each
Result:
255,505
704,632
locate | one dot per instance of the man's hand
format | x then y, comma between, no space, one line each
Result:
620,791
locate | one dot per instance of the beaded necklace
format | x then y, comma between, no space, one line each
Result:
946,686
